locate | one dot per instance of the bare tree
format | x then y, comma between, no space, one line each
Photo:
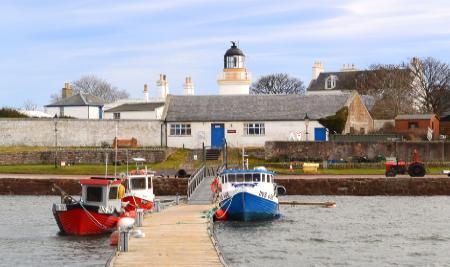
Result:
29,105
55,97
90,84
279,83
432,85
391,87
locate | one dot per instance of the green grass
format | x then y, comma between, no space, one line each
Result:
175,161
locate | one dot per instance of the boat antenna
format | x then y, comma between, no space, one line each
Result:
115,159
127,160
106,164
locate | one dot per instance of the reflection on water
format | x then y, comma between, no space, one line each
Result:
360,231
29,236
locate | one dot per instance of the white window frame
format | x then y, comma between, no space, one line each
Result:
116,115
254,129
180,129
330,82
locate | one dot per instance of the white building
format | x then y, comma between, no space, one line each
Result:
235,79
80,106
251,120
136,111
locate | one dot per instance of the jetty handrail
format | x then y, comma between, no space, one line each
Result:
195,179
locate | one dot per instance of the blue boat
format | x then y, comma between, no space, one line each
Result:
248,195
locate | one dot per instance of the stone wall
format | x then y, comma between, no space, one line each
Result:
367,186
17,186
83,156
75,132
287,151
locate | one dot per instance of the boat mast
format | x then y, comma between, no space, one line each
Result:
115,160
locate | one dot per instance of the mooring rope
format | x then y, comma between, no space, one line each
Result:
99,224
231,200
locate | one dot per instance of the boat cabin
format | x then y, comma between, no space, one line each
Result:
246,176
139,182
101,192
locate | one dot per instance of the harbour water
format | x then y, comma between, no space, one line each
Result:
29,236
360,231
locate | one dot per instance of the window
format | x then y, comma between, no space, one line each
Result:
180,129
113,192
413,125
254,128
248,177
94,194
232,178
263,177
138,183
330,82
257,177
116,115
240,177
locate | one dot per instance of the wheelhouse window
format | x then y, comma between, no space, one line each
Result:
231,178
180,129
248,177
138,183
113,192
240,177
257,177
413,125
257,128
116,115
94,194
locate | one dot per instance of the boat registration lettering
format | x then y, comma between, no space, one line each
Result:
108,210
265,195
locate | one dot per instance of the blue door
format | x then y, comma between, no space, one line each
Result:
320,134
217,135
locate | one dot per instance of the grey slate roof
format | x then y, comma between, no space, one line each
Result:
252,107
414,116
346,80
78,100
136,107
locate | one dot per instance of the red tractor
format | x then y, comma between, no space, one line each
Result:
414,169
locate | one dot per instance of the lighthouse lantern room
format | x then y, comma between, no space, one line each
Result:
235,79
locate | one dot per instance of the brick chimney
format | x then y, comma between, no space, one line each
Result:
188,86
145,93
67,91
317,69
162,87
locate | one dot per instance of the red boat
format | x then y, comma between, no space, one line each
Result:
98,210
139,190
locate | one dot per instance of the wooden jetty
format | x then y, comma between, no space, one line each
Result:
176,236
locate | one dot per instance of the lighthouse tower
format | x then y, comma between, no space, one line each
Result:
234,80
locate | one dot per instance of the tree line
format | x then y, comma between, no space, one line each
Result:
416,86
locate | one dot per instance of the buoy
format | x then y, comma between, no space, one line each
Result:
114,238
126,222
220,215
290,168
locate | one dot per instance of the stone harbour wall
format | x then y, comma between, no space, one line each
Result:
19,186
290,151
367,186
83,156
77,132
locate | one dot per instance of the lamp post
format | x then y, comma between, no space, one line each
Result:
55,121
306,126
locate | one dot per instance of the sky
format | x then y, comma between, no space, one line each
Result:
44,44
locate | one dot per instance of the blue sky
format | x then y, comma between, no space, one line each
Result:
46,43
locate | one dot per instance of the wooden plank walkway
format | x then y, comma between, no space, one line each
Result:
177,236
